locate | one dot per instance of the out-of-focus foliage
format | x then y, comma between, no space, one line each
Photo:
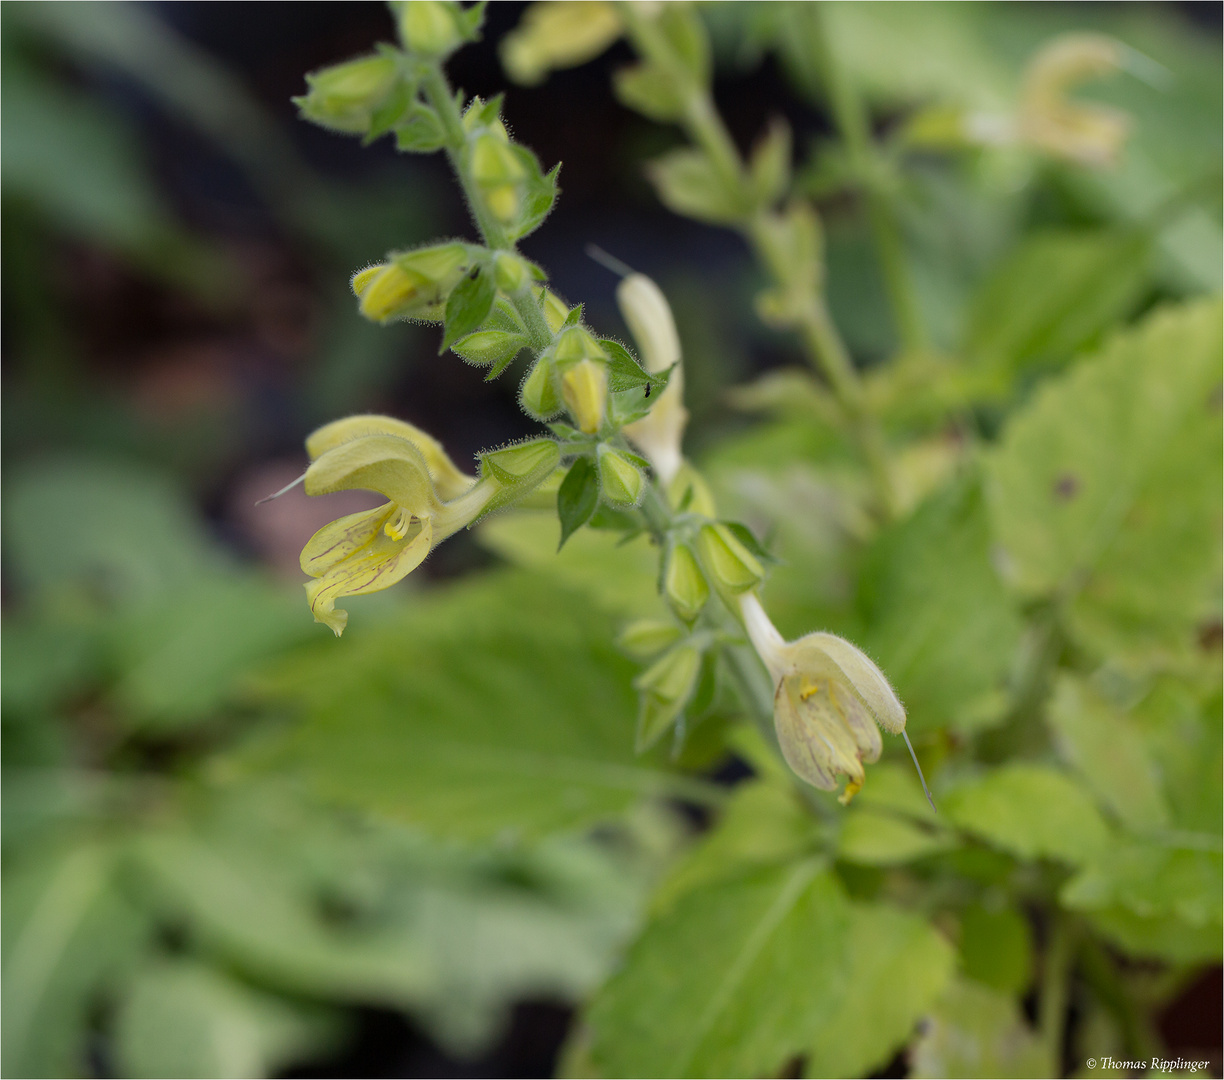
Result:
223,834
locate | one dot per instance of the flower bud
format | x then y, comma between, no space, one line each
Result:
558,35
648,316
584,386
510,272
519,469
727,561
619,478
665,688
538,395
410,282
688,490
344,97
429,27
487,347
684,584
555,310
498,174
576,344
648,637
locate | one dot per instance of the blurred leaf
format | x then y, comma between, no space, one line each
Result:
876,839
996,948
733,981
1030,810
762,825
495,707
45,662
1105,746
898,966
894,787
1054,294
621,578
117,531
184,1019
688,183
935,615
1157,937
182,658
1106,487
66,932
973,1032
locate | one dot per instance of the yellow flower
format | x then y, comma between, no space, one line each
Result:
826,694
560,34
429,499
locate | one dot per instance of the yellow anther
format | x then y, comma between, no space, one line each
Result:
809,689
397,527
852,788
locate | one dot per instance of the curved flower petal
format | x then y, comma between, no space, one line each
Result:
340,539
829,656
392,466
449,480
814,739
380,563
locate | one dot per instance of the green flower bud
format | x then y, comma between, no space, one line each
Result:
584,386
555,311
487,347
648,637
519,469
345,96
665,689
576,344
727,561
429,27
538,395
684,583
499,175
411,282
620,479
510,272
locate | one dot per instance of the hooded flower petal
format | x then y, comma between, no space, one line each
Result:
449,481
388,464
377,564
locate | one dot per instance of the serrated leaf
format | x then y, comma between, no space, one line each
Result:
468,305
898,967
733,981
1106,488
1054,294
497,708
689,183
577,497
935,616
1105,746
1030,810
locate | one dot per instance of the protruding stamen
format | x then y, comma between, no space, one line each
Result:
926,791
397,527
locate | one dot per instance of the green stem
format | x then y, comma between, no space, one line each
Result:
1110,989
1055,987
852,121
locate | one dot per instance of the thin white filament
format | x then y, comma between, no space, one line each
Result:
925,790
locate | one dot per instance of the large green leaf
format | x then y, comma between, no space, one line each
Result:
183,1018
1105,745
1030,810
67,930
733,981
898,967
1106,489
1054,294
935,615
495,707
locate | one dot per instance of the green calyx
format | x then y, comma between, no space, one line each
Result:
346,96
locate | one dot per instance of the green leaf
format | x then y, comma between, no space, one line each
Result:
935,616
421,132
539,194
1104,744
763,824
898,966
733,981
1158,937
878,839
748,538
650,90
625,373
183,1018
689,184
1055,294
1030,810
1106,487
67,932
497,708
996,947
468,305
577,497
974,1031
770,167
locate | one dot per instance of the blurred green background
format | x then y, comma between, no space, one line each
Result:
192,887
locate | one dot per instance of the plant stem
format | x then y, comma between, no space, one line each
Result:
1110,990
852,121
1055,987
